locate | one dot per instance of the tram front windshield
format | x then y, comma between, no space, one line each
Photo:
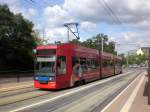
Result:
45,68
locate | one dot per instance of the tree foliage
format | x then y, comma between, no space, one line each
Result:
124,61
16,40
133,59
136,59
95,43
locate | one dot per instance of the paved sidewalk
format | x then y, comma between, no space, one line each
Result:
141,100
15,85
133,99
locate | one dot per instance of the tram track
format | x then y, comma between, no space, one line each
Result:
71,104
37,95
22,96
15,87
32,93
16,92
68,101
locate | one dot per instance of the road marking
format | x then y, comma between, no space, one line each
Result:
109,104
130,100
69,93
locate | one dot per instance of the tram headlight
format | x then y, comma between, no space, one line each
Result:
36,78
51,78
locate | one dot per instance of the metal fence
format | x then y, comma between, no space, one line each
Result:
16,76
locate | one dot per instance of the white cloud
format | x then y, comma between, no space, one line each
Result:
134,14
130,12
55,16
54,19
15,7
85,10
28,13
88,26
135,40
56,34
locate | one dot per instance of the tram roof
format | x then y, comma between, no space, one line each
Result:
76,47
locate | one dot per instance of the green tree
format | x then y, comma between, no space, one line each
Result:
124,61
136,59
16,40
95,43
76,41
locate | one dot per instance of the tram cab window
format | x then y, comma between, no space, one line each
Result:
45,68
61,65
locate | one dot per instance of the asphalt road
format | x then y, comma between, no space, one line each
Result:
91,97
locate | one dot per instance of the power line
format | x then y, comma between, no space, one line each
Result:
46,3
31,2
100,2
35,3
112,12
41,3
117,18
113,15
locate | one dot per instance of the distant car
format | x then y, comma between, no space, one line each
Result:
134,66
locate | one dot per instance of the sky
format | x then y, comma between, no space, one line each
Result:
127,22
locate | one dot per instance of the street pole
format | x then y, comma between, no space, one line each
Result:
127,59
100,55
148,76
100,58
43,33
68,35
116,48
102,45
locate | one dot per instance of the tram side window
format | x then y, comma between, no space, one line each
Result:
119,63
83,64
74,61
105,63
92,64
89,65
97,63
61,65
111,63
77,66
86,65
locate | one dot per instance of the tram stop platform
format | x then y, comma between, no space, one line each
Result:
132,99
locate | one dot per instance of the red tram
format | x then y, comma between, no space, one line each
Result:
65,65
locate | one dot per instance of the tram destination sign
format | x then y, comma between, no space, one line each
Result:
46,59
